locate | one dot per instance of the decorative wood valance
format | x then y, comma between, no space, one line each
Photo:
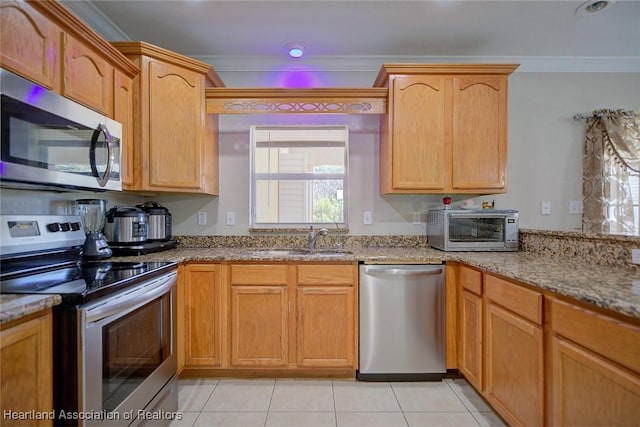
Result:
290,101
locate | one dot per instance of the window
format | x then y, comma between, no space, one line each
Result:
299,175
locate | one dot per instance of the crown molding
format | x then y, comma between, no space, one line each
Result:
87,11
97,20
530,64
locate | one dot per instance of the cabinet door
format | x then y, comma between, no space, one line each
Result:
25,370
470,347
591,390
326,326
203,317
514,367
479,147
420,121
29,44
123,113
88,77
259,326
176,127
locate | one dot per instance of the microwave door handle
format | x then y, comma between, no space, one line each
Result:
102,129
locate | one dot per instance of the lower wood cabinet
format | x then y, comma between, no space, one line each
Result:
500,344
540,360
470,350
514,358
594,368
259,326
326,316
257,316
203,313
25,369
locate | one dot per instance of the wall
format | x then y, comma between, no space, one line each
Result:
544,163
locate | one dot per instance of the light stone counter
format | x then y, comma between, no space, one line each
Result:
612,288
14,306
609,287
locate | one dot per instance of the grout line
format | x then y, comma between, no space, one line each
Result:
335,411
393,390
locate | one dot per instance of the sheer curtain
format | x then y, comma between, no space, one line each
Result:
611,154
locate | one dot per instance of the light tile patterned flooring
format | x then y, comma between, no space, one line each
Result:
337,403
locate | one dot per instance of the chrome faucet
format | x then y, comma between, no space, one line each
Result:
313,236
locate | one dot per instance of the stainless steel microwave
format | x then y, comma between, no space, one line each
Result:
473,230
51,141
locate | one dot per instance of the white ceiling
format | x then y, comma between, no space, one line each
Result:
426,28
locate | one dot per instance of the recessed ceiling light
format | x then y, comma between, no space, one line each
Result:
593,6
294,50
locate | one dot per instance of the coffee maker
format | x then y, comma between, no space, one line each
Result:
92,215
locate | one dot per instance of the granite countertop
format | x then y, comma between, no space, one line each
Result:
14,306
611,288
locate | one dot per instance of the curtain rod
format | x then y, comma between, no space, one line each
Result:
585,116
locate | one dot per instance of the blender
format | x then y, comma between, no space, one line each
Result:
92,214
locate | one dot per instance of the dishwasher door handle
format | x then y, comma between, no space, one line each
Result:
382,271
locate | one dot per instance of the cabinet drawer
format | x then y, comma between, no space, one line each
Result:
326,274
524,302
612,338
471,280
259,274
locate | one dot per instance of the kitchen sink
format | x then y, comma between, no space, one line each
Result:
330,252
298,252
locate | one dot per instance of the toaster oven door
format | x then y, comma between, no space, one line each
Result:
469,232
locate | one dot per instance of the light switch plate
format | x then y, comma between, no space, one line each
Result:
231,218
367,218
416,218
635,256
202,218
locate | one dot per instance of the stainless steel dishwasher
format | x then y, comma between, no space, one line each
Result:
402,323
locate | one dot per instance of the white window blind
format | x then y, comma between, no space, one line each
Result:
299,175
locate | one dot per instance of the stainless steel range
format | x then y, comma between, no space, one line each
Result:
114,333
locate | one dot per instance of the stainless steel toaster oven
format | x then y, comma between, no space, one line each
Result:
473,230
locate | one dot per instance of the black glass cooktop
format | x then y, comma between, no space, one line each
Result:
78,283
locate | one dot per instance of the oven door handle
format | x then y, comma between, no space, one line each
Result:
124,302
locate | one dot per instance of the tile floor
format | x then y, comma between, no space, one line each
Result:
337,403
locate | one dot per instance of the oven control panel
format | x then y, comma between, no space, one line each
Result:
29,233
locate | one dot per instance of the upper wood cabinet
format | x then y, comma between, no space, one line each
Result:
445,130
123,113
175,143
45,43
30,43
88,76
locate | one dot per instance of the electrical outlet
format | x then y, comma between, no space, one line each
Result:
202,218
545,207
231,218
575,207
635,256
367,218
417,218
